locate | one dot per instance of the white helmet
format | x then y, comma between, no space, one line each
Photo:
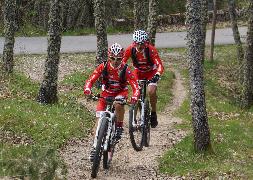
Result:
116,50
140,36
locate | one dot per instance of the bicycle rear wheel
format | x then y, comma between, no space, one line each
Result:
146,123
99,147
136,132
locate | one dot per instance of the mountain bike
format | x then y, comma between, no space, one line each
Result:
139,120
105,135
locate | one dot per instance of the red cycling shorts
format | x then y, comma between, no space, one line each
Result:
101,105
145,75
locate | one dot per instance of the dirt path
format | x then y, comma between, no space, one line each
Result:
127,163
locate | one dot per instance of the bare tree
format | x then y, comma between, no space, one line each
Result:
213,29
48,88
102,44
152,20
233,19
9,28
247,100
140,14
195,38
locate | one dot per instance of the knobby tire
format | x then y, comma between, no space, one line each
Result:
99,147
147,123
111,146
136,145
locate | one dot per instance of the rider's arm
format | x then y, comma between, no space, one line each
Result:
156,59
132,80
94,76
127,54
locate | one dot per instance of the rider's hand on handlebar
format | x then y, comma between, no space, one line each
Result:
87,91
134,100
155,78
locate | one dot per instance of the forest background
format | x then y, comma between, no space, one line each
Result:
78,18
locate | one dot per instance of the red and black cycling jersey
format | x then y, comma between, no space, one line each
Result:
144,61
113,80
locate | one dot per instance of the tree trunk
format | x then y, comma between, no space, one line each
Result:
1,13
152,20
65,7
213,30
195,38
140,14
233,19
102,44
247,100
48,89
204,15
86,18
9,28
74,8
41,9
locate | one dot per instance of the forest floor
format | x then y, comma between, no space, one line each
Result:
127,163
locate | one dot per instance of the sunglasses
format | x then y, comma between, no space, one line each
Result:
116,58
140,43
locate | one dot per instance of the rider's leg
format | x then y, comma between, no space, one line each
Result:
152,88
119,111
119,108
153,97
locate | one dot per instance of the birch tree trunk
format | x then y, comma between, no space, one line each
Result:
152,20
195,37
247,100
48,88
140,14
9,33
102,44
236,34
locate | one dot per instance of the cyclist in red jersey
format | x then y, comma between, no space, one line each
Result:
147,65
116,77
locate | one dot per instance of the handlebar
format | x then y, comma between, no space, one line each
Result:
109,99
144,81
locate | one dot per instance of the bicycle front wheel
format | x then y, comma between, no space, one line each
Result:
136,132
99,147
108,154
146,123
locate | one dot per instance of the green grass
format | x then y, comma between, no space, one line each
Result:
77,79
164,91
47,127
230,127
44,124
29,30
232,152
